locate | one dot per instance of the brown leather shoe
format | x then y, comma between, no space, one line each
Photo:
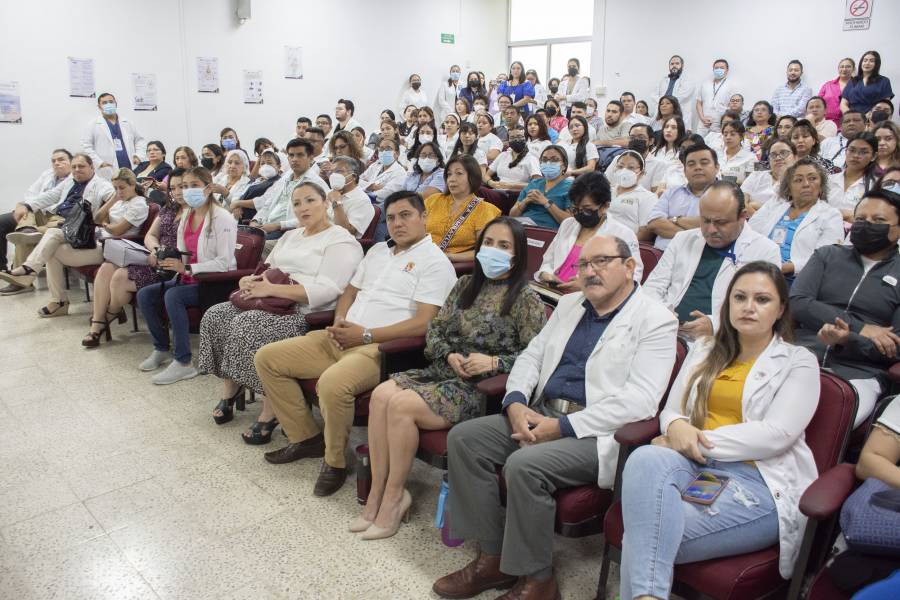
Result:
330,480
314,447
528,588
481,574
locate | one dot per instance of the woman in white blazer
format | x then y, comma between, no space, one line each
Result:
737,413
804,221
98,143
207,236
590,195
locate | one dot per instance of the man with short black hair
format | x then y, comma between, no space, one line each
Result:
112,141
323,122
303,123
791,97
713,96
344,115
640,139
628,115
614,131
317,138
676,84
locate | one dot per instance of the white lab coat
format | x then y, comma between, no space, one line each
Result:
97,142
445,101
779,399
626,373
47,181
822,226
574,92
414,98
556,253
685,91
673,274
217,241
97,192
845,200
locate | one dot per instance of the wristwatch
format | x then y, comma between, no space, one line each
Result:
367,336
187,269
675,220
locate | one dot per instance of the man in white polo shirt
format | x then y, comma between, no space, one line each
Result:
396,291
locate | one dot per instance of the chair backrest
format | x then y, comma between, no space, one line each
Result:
829,430
498,198
650,256
151,216
249,248
538,239
369,233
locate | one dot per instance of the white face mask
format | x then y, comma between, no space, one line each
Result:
337,181
626,178
267,171
427,164
590,111
424,139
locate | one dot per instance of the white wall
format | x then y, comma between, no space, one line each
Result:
358,49
633,40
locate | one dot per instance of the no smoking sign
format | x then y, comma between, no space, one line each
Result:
857,15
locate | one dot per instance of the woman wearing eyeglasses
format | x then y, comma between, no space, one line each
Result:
545,202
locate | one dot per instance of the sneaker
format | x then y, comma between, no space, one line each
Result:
175,372
13,289
154,361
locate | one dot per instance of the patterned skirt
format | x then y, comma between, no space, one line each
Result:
444,392
229,339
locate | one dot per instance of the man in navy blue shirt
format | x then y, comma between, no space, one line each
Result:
111,140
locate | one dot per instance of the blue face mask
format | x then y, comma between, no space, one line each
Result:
109,109
718,73
551,170
494,262
892,186
386,157
194,197
229,144
454,76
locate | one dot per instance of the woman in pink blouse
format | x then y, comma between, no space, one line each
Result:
831,90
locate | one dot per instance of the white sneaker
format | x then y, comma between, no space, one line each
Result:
154,361
175,372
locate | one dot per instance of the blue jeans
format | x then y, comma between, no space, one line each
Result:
177,300
662,530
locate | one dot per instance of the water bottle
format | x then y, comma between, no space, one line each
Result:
442,516
363,473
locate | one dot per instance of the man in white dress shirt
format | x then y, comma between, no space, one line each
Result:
713,99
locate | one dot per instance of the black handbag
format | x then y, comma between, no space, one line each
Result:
78,228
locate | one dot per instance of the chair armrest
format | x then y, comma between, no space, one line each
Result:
894,373
638,433
407,344
401,355
825,496
493,386
464,268
222,276
320,319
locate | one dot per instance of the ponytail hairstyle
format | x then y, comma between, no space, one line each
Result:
128,176
726,343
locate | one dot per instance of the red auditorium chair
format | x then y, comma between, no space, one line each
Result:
755,575
368,238
650,256
538,239
499,198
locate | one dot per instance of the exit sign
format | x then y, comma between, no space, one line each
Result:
448,38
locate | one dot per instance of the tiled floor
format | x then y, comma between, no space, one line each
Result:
111,487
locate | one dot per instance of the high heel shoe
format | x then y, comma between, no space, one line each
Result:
121,316
261,432
226,406
92,340
358,525
62,308
379,533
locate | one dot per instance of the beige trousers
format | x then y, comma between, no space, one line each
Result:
54,253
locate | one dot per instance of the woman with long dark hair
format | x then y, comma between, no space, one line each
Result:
734,419
488,318
582,153
849,186
868,86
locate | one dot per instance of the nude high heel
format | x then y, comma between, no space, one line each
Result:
380,533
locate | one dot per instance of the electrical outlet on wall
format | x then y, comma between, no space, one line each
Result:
600,91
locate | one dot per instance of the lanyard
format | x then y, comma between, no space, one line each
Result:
716,89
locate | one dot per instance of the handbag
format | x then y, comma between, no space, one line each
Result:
123,253
870,521
458,223
78,228
276,306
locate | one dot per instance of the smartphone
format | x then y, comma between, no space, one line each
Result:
759,166
704,489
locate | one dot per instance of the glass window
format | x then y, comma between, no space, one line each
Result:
530,20
561,53
533,57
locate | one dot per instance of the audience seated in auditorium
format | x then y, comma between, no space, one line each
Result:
486,321
602,360
738,410
155,169
846,304
396,290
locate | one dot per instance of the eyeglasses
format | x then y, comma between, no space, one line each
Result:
780,155
597,263
551,160
859,151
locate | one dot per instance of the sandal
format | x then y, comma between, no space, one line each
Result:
62,308
261,432
92,339
226,406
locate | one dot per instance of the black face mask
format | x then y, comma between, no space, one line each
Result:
473,84
518,146
554,89
207,163
573,71
880,115
639,145
416,85
588,218
869,238
551,112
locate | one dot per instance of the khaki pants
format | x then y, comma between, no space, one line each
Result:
342,374
54,253
40,220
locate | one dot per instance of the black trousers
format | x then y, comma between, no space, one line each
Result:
7,226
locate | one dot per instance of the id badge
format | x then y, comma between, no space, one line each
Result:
118,144
779,235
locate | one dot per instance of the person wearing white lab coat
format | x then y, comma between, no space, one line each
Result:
737,410
676,84
572,88
713,96
804,220
112,141
563,406
445,98
698,264
413,95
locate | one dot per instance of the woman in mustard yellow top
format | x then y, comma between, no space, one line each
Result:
736,414
463,178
